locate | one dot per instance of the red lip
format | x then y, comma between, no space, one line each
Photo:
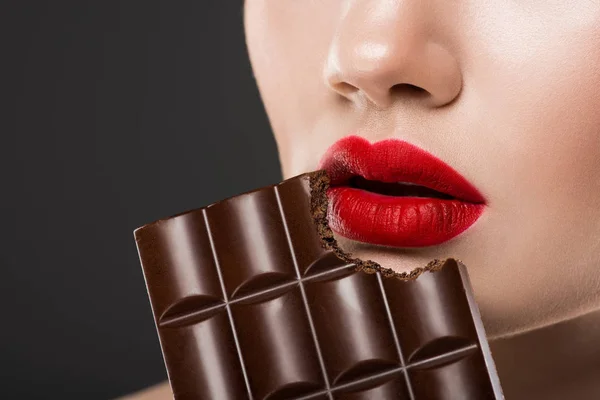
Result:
390,220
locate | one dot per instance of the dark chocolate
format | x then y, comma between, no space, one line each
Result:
253,300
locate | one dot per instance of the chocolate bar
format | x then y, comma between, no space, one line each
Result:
253,299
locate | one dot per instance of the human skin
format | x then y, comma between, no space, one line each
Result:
510,97
505,92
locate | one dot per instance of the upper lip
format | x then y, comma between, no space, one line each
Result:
393,160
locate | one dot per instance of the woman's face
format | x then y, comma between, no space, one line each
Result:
506,93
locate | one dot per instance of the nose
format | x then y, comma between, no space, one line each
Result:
386,51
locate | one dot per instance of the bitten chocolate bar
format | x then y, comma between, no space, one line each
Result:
253,299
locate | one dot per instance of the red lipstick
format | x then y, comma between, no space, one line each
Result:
394,193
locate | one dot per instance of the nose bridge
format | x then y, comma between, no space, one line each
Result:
381,46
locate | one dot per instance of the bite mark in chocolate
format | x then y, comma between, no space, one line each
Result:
319,183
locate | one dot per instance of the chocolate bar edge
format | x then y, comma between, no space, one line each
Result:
152,309
480,329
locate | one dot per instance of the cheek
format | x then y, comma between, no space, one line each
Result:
542,106
539,112
288,59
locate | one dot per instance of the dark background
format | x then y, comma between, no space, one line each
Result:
114,114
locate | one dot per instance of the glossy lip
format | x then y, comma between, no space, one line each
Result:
393,220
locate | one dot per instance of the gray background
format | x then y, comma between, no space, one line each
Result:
113,114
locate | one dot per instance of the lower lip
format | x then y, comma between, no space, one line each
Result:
398,221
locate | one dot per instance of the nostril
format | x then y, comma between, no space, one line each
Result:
381,99
344,88
406,89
